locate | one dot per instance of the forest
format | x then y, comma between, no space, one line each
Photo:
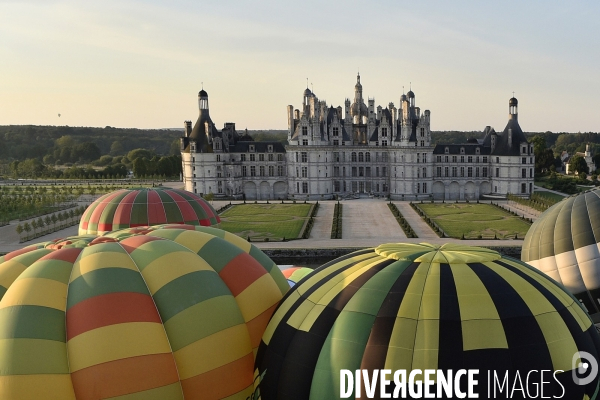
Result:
28,151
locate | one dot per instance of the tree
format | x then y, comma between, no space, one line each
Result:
544,157
54,220
19,230
577,164
34,225
139,167
27,229
40,223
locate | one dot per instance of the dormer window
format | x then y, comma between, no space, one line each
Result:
446,151
477,150
462,150
270,148
251,148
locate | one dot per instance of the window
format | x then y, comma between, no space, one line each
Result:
446,150
462,150
424,172
252,170
446,172
462,159
424,187
422,132
523,173
484,172
251,147
477,159
454,171
497,172
336,142
280,170
477,172
497,160
244,171
418,158
296,156
462,172
377,171
336,171
271,170
418,188
470,159
304,156
454,159
384,157
336,132
530,160
361,157
270,149
218,157
384,142
438,172
523,188
261,157
252,157
271,157
484,159
524,150
262,170
242,157
384,132
531,172
280,157
353,157
368,171
524,160
368,157
383,171
336,186
439,158
304,172
304,142
353,171
470,172
297,187
477,150
361,171
304,187
304,130
422,143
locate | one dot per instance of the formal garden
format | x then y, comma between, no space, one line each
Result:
473,220
267,222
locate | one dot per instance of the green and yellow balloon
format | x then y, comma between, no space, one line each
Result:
420,306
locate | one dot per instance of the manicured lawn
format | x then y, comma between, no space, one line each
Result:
473,220
260,221
552,196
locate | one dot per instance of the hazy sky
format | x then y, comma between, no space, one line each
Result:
141,64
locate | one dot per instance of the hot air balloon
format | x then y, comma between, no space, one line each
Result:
157,313
295,274
563,243
407,307
141,207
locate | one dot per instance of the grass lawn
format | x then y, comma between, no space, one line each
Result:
552,196
473,220
260,221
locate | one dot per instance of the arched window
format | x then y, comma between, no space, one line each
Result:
368,157
361,157
446,150
353,156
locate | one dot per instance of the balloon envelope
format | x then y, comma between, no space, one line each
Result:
563,243
154,312
141,207
419,306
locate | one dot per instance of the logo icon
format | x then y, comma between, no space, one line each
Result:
585,368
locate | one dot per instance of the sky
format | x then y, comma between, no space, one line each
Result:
140,64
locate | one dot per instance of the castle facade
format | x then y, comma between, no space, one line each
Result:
364,151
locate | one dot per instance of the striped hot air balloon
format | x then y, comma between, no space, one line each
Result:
419,306
563,243
296,274
172,312
141,207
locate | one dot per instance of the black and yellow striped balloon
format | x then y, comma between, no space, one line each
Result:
419,306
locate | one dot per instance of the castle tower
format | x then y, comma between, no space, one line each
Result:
512,108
